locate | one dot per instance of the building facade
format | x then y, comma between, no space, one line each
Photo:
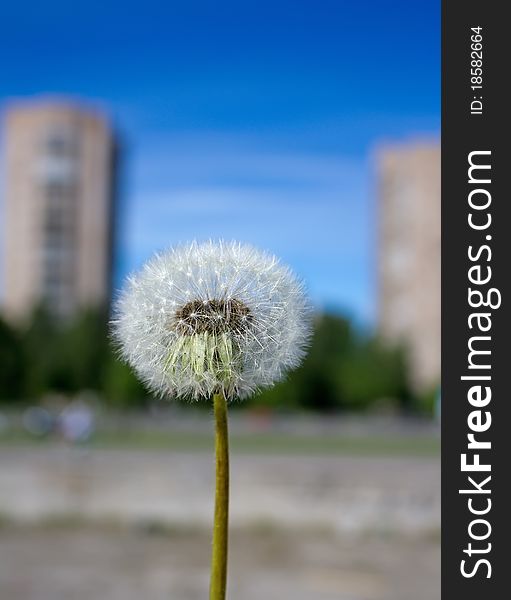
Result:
409,256
59,200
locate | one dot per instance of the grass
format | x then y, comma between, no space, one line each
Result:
253,443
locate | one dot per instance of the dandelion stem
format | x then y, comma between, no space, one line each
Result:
220,527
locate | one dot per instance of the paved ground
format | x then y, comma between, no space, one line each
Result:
131,525
340,493
78,563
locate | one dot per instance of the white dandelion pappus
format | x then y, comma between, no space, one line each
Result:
210,317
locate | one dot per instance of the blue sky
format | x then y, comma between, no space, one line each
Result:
247,120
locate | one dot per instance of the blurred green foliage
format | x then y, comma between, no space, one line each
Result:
46,356
344,369
11,363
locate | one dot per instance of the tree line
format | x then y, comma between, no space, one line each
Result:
345,368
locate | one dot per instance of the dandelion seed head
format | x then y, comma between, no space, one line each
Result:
214,316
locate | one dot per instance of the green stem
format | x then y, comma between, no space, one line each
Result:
220,527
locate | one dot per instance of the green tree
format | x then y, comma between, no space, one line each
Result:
40,353
314,384
11,363
343,370
374,372
121,388
84,350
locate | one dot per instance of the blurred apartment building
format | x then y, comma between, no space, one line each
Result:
59,192
409,255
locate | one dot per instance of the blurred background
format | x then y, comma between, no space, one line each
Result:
310,130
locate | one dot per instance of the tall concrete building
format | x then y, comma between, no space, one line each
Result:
409,255
59,192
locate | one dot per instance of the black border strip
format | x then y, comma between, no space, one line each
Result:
463,410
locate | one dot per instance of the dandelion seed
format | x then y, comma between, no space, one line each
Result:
212,317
